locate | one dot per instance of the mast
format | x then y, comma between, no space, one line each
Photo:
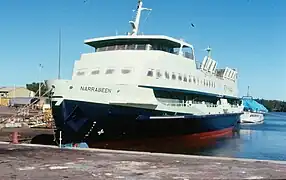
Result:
135,24
209,51
248,91
59,60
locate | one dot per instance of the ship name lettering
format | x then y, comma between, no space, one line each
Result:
95,89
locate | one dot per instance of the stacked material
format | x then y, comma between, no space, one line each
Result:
24,117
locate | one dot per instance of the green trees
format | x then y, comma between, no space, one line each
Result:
273,105
35,87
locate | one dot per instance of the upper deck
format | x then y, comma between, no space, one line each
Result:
142,42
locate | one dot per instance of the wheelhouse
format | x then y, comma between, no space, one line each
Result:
145,43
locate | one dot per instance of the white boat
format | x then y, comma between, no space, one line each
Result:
251,118
253,111
144,86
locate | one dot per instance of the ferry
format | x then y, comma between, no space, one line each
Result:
136,86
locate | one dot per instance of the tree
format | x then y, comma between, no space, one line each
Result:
35,87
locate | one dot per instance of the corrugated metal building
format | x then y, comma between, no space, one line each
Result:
8,93
11,92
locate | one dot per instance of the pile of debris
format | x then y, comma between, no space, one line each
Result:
25,117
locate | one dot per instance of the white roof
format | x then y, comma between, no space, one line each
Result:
105,41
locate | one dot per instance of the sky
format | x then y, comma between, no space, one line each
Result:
245,34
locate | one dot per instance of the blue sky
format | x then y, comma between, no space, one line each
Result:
244,34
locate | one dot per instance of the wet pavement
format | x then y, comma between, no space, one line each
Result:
38,162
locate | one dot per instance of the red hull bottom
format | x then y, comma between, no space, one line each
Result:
172,144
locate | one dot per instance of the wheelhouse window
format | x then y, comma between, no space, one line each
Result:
122,47
188,52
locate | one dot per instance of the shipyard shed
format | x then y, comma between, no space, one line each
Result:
8,93
12,92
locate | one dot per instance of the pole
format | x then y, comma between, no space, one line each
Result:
60,139
40,83
59,65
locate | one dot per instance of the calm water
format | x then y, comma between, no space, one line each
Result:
264,141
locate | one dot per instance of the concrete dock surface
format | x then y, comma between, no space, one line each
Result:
27,161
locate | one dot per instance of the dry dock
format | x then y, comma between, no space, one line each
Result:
39,162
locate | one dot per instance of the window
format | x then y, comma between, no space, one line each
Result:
190,79
188,52
141,47
80,73
109,71
125,71
131,47
173,76
194,80
95,72
180,77
185,78
150,73
110,48
167,76
158,74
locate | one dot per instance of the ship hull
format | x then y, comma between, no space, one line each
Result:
81,121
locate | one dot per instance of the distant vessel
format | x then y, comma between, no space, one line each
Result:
253,111
144,86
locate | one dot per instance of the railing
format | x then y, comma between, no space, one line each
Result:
190,104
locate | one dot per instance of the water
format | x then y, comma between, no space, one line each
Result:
265,141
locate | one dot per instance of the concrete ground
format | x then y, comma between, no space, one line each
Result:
39,162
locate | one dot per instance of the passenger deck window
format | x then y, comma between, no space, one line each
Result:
95,72
150,73
190,79
125,71
109,71
180,77
167,76
158,73
185,78
173,76
80,73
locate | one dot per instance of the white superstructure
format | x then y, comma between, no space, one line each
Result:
150,71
